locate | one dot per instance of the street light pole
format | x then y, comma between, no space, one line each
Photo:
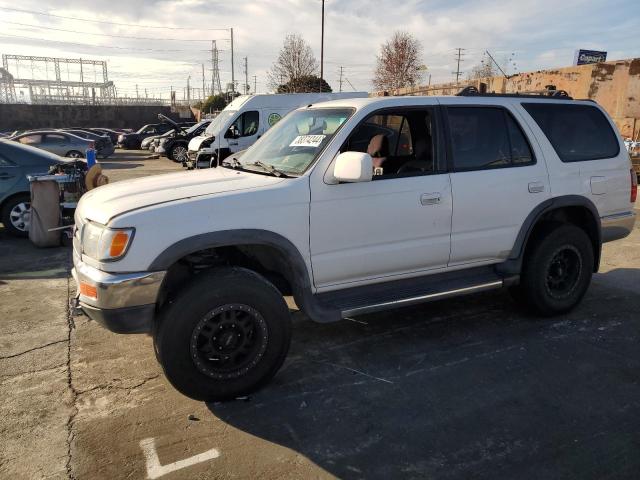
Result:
322,45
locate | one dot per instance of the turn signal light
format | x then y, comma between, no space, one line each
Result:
88,290
634,186
118,244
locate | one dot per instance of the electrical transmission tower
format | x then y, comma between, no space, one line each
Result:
459,59
341,69
215,69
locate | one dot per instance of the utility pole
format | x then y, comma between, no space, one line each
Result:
255,84
341,77
233,75
322,46
188,91
246,76
202,83
137,96
459,58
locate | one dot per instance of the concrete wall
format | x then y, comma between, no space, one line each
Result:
614,85
21,116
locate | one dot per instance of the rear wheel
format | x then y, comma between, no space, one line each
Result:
16,215
225,335
557,270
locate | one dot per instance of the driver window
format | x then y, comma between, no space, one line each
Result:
247,124
400,143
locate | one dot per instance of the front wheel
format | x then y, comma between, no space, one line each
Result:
225,335
179,154
557,270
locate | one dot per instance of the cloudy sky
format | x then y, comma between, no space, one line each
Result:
156,44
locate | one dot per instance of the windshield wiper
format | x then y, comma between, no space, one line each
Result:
269,168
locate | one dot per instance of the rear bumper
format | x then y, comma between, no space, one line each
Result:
124,303
615,227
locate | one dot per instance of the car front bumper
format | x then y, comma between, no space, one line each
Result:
123,302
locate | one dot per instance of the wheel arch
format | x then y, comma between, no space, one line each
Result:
574,209
10,197
284,259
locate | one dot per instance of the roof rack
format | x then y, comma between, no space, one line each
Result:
472,91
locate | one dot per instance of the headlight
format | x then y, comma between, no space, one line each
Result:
105,244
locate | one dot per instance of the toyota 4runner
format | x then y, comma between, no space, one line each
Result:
353,206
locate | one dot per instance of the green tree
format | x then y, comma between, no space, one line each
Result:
305,84
214,103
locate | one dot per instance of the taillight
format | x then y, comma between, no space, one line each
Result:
634,186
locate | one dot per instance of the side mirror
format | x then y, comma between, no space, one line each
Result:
232,132
353,167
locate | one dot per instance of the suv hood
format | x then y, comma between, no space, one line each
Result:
104,203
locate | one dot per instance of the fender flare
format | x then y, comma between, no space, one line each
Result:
298,273
513,264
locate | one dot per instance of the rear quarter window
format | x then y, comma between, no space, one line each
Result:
578,133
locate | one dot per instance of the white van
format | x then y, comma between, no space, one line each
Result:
245,120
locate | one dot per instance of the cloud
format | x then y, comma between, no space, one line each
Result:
541,33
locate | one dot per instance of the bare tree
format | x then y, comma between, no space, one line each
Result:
295,63
398,64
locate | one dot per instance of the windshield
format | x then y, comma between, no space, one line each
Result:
193,128
142,129
294,143
218,122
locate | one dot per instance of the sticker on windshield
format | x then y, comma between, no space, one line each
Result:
307,141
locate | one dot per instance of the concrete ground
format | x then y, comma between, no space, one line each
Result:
464,388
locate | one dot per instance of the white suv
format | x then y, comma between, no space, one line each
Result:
353,206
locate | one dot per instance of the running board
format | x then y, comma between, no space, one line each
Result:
429,297
401,293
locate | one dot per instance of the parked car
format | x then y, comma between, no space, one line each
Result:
147,143
16,162
159,139
132,141
175,146
103,145
54,141
112,134
246,119
470,193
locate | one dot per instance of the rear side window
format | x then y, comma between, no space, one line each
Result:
485,138
577,132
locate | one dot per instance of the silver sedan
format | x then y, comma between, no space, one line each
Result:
61,143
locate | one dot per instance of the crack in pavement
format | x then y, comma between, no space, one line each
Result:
33,349
74,393
117,387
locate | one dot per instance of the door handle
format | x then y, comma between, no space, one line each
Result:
233,144
430,198
536,187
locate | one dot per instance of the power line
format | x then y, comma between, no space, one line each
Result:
105,34
99,46
110,23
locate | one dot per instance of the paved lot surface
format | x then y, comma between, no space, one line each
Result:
465,388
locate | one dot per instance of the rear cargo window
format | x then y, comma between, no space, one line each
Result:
577,132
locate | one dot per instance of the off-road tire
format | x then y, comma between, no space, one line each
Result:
541,283
180,325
